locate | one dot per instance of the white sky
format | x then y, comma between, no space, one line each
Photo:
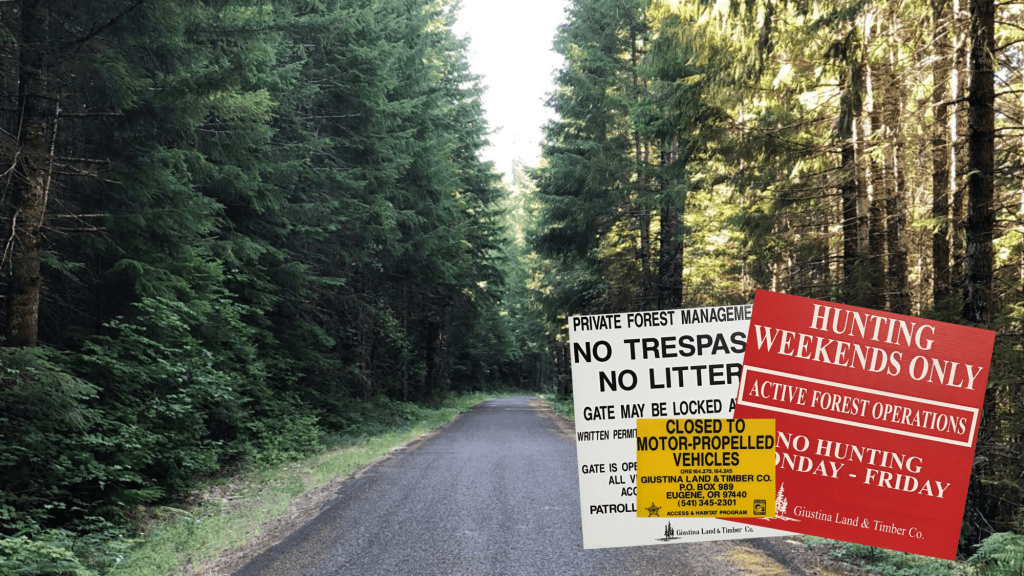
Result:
510,48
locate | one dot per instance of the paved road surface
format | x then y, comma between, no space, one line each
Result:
494,493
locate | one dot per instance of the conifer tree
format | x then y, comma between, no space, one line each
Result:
981,166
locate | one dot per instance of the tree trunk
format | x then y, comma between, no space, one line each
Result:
958,128
943,170
643,188
670,253
646,275
38,113
850,187
874,287
435,380
895,198
981,166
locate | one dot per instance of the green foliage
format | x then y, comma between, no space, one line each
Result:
21,556
65,553
891,562
1000,554
176,410
270,229
179,410
49,468
374,416
289,437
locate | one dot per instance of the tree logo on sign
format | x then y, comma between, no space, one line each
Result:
781,503
669,534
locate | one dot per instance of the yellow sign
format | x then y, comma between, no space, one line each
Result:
706,468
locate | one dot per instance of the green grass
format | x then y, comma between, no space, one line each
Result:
235,510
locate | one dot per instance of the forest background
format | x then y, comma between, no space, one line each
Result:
234,231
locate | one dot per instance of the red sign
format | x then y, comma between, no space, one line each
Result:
876,420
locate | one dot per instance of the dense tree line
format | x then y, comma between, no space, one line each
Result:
860,152
223,224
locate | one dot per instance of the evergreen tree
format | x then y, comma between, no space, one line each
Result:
805,176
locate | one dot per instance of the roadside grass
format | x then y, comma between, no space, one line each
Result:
229,512
560,404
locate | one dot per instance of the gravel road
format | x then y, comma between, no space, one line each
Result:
493,493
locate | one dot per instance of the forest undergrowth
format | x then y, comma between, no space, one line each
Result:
228,517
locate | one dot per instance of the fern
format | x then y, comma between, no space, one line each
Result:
1001,554
21,556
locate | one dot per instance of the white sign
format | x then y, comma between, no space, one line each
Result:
659,364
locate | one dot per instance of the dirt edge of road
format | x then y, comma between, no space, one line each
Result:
565,426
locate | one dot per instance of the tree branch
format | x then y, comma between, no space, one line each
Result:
1007,45
10,241
99,29
951,102
90,114
49,169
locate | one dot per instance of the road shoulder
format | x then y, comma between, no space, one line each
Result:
303,508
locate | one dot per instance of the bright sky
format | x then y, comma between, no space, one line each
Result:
510,48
